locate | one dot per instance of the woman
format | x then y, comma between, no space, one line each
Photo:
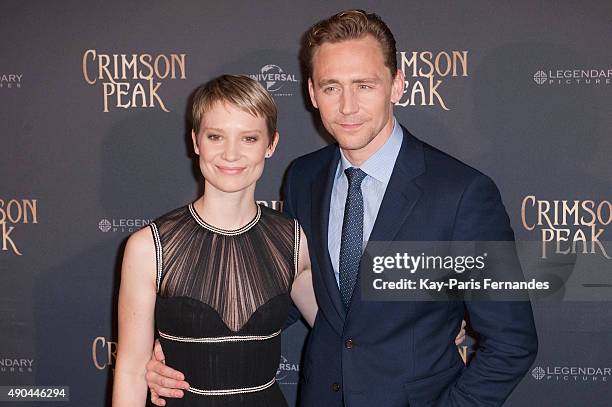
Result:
217,276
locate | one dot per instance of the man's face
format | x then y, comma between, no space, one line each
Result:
355,92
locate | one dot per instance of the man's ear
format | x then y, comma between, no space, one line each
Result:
397,89
311,93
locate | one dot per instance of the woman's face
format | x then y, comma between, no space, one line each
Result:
232,146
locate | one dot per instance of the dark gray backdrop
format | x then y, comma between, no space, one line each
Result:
92,173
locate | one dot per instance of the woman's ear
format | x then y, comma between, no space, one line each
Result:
194,139
272,146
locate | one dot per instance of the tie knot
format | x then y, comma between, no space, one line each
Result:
354,176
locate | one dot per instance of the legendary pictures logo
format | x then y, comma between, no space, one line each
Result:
16,365
132,81
288,372
538,373
568,226
590,76
122,225
571,374
14,212
276,80
10,80
540,77
425,73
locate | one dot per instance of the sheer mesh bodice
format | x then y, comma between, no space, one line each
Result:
223,297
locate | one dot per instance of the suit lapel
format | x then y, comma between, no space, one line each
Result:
400,198
321,197
402,192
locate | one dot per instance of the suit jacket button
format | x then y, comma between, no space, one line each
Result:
348,344
335,387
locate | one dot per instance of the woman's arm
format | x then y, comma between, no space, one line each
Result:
302,292
136,320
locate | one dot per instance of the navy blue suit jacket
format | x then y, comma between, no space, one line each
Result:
398,354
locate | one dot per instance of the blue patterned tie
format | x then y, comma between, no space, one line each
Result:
352,235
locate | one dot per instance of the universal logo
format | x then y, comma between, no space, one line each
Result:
15,212
568,226
122,225
10,80
16,365
571,374
276,80
103,353
426,72
276,205
288,372
589,76
132,81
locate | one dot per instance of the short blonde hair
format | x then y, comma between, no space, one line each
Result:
240,91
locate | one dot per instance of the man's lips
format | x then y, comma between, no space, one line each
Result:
230,170
350,126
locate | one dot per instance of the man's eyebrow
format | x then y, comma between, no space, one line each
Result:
366,80
324,82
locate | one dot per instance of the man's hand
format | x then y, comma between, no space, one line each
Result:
163,381
458,340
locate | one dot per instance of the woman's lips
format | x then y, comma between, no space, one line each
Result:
230,170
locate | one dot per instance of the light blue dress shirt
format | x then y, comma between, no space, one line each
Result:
378,169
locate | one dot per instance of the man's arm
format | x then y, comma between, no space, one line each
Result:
163,381
508,341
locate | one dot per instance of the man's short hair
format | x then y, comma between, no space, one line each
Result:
350,25
239,91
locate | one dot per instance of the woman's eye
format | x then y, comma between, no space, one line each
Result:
214,137
250,139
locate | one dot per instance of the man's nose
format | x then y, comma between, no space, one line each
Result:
348,102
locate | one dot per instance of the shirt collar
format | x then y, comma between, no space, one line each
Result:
380,165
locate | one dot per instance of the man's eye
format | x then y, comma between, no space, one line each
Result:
330,89
364,86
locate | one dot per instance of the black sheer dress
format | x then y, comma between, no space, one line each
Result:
223,296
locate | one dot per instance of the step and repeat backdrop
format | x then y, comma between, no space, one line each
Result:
95,143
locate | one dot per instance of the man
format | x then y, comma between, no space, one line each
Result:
379,183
